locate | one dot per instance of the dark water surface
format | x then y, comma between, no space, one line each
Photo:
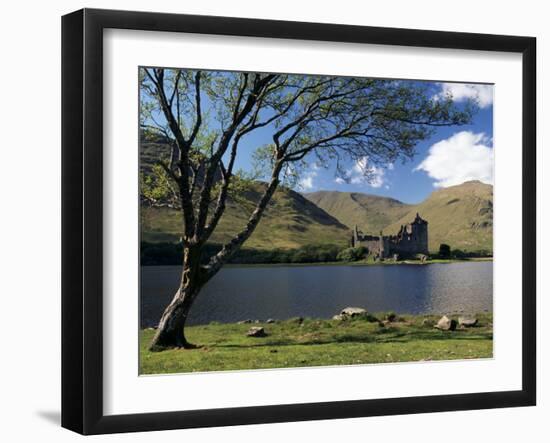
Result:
281,292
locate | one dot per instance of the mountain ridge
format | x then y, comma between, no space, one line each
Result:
371,212
290,220
460,215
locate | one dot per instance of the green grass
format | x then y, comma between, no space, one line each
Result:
317,343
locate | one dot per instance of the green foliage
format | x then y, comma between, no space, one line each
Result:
458,253
353,254
241,187
461,254
171,254
157,186
444,251
314,254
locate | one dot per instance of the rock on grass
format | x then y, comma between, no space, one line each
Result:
467,321
256,331
446,324
353,312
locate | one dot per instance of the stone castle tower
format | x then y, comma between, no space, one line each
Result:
411,239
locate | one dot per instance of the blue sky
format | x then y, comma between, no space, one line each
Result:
452,155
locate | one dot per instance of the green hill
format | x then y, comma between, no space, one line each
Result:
461,216
290,221
371,213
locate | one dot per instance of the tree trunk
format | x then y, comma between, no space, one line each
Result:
170,332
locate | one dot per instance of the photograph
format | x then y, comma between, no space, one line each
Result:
299,220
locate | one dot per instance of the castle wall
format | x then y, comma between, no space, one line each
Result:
374,245
371,243
412,239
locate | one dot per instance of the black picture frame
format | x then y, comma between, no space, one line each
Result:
82,218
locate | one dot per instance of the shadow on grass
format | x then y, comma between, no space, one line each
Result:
383,336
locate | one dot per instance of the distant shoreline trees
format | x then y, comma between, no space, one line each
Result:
169,254
444,250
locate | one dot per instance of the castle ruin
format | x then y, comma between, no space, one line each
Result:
411,239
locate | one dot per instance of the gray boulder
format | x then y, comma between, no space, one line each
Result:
446,324
339,317
270,320
353,312
467,321
256,331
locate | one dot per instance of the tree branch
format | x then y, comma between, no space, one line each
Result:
198,120
183,183
222,196
229,249
259,84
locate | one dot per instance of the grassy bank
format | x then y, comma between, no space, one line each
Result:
292,343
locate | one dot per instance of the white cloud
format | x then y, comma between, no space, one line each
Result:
339,180
483,94
462,157
306,182
364,173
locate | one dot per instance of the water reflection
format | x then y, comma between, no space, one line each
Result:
238,293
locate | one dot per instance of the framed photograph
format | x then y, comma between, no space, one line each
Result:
269,221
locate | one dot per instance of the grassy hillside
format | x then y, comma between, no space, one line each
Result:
290,221
461,216
370,212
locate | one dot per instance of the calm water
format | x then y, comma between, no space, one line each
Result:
238,293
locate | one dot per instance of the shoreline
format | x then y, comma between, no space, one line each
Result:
378,315
363,263
355,263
